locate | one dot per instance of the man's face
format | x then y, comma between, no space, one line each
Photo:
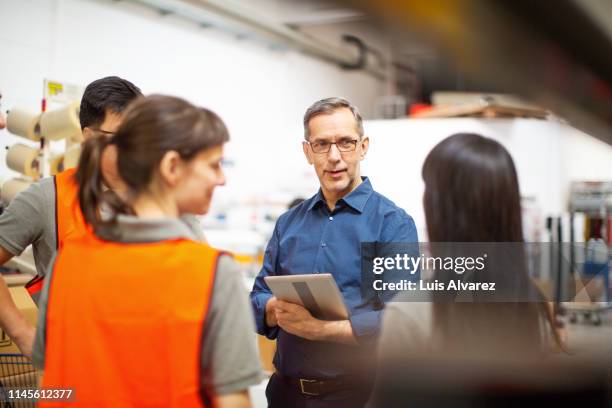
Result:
338,171
109,126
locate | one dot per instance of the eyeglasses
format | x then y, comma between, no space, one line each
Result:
105,132
101,132
345,145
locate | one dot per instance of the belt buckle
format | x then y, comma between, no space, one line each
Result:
303,390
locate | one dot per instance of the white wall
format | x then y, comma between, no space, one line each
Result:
547,155
586,158
260,93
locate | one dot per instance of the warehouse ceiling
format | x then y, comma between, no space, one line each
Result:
310,12
556,54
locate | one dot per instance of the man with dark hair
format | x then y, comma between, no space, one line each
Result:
325,363
103,101
100,114
47,212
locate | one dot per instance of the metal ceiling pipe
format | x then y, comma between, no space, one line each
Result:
240,19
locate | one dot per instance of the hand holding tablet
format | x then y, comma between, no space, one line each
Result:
316,292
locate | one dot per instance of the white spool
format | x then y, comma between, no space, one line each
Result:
71,157
61,123
23,159
13,187
23,123
76,138
56,164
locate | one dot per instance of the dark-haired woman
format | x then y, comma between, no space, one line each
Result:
471,199
139,313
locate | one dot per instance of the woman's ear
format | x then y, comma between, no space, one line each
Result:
171,168
87,133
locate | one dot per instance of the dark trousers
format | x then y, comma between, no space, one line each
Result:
281,394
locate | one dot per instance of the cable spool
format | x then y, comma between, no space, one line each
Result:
71,157
23,159
56,164
77,137
24,123
13,187
61,123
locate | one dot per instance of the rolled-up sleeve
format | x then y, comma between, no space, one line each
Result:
261,292
365,325
399,228
21,223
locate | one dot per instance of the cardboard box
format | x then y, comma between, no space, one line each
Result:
267,348
18,279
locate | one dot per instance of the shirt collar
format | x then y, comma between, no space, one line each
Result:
133,229
356,199
318,198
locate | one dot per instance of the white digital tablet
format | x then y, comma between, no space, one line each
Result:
316,292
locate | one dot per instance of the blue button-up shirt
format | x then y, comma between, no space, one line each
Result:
311,239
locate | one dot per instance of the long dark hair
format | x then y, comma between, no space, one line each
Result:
151,127
471,181
472,195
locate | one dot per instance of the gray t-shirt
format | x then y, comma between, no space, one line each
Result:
30,219
229,359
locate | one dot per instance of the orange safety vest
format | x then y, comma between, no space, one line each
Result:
68,215
69,219
125,322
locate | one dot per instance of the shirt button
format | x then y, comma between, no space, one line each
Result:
323,244
331,218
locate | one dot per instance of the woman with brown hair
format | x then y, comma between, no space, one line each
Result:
138,313
471,201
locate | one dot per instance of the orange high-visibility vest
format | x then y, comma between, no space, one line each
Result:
69,219
68,216
125,322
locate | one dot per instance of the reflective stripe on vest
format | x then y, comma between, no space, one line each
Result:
124,322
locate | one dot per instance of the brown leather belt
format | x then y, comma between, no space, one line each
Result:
316,388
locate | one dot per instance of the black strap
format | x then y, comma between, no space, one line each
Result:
315,387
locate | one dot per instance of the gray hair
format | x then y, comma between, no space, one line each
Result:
327,106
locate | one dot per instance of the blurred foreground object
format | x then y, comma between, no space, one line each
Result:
459,382
553,53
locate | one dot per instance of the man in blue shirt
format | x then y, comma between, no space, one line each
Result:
322,363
